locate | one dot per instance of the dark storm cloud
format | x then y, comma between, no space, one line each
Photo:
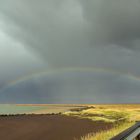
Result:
113,21
65,31
75,88
69,33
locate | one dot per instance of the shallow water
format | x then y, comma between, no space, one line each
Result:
36,109
15,109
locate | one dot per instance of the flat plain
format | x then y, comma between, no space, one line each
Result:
68,122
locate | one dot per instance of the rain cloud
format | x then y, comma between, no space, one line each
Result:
79,33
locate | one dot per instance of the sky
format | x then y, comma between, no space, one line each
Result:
69,51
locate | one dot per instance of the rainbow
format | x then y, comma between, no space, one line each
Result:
60,71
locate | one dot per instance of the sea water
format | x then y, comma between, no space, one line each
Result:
19,109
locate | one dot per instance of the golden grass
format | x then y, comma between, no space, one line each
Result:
106,135
109,113
125,115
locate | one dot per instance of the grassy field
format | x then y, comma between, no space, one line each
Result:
121,117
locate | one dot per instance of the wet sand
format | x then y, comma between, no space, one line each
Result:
47,127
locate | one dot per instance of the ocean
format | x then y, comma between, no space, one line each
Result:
36,109
17,109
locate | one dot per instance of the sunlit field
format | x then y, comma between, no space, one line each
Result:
121,116
101,122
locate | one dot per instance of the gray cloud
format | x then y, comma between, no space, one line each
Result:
65,31
69,33
74,88
113,21
15,60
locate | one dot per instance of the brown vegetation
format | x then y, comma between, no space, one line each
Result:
47,127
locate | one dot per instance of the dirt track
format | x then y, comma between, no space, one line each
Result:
46,127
